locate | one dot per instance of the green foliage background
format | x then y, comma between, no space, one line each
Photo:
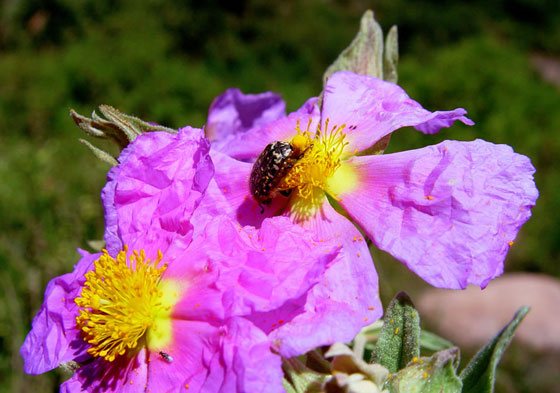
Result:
165,61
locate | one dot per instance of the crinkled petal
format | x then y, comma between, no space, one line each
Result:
346,299
151,194
234,112
193,271
282,264
247,146
372,108
443,119
53,338
193,346
450,212
235,357
127,375
257,270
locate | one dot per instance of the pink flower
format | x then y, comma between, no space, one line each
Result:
171,308
450,212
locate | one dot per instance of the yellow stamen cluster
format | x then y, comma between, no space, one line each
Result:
321,158
119,303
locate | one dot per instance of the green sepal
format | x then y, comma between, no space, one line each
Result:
367,55
115,126
96,245
390,63
101,154
364,55
391,56
480,374
68,369
428,340
434,374
298,378
399,340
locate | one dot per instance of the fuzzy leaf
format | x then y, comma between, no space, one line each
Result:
364,55
298,378
399,340
480,374
96,245
114,125
391,56
101,154
288,387
435,374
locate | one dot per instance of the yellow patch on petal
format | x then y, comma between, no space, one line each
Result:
122,301
344,180
160,334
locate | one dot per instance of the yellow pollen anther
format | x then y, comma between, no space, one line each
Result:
119,303
310,174
300,143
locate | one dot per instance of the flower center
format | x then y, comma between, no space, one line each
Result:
310,174
119,302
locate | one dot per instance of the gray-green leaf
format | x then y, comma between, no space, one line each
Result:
399,340
391,56
364,55
480,374
435,374
298,378
115,126
101,154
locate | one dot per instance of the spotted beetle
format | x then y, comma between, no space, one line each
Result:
270,168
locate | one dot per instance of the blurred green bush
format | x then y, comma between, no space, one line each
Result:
165,61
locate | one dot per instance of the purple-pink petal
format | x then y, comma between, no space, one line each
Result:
53,338
255,270
234,112
371,108
243,362
194,344
247,146
443,119
450,212
195,270
346,299
152,193
282,264
348,290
